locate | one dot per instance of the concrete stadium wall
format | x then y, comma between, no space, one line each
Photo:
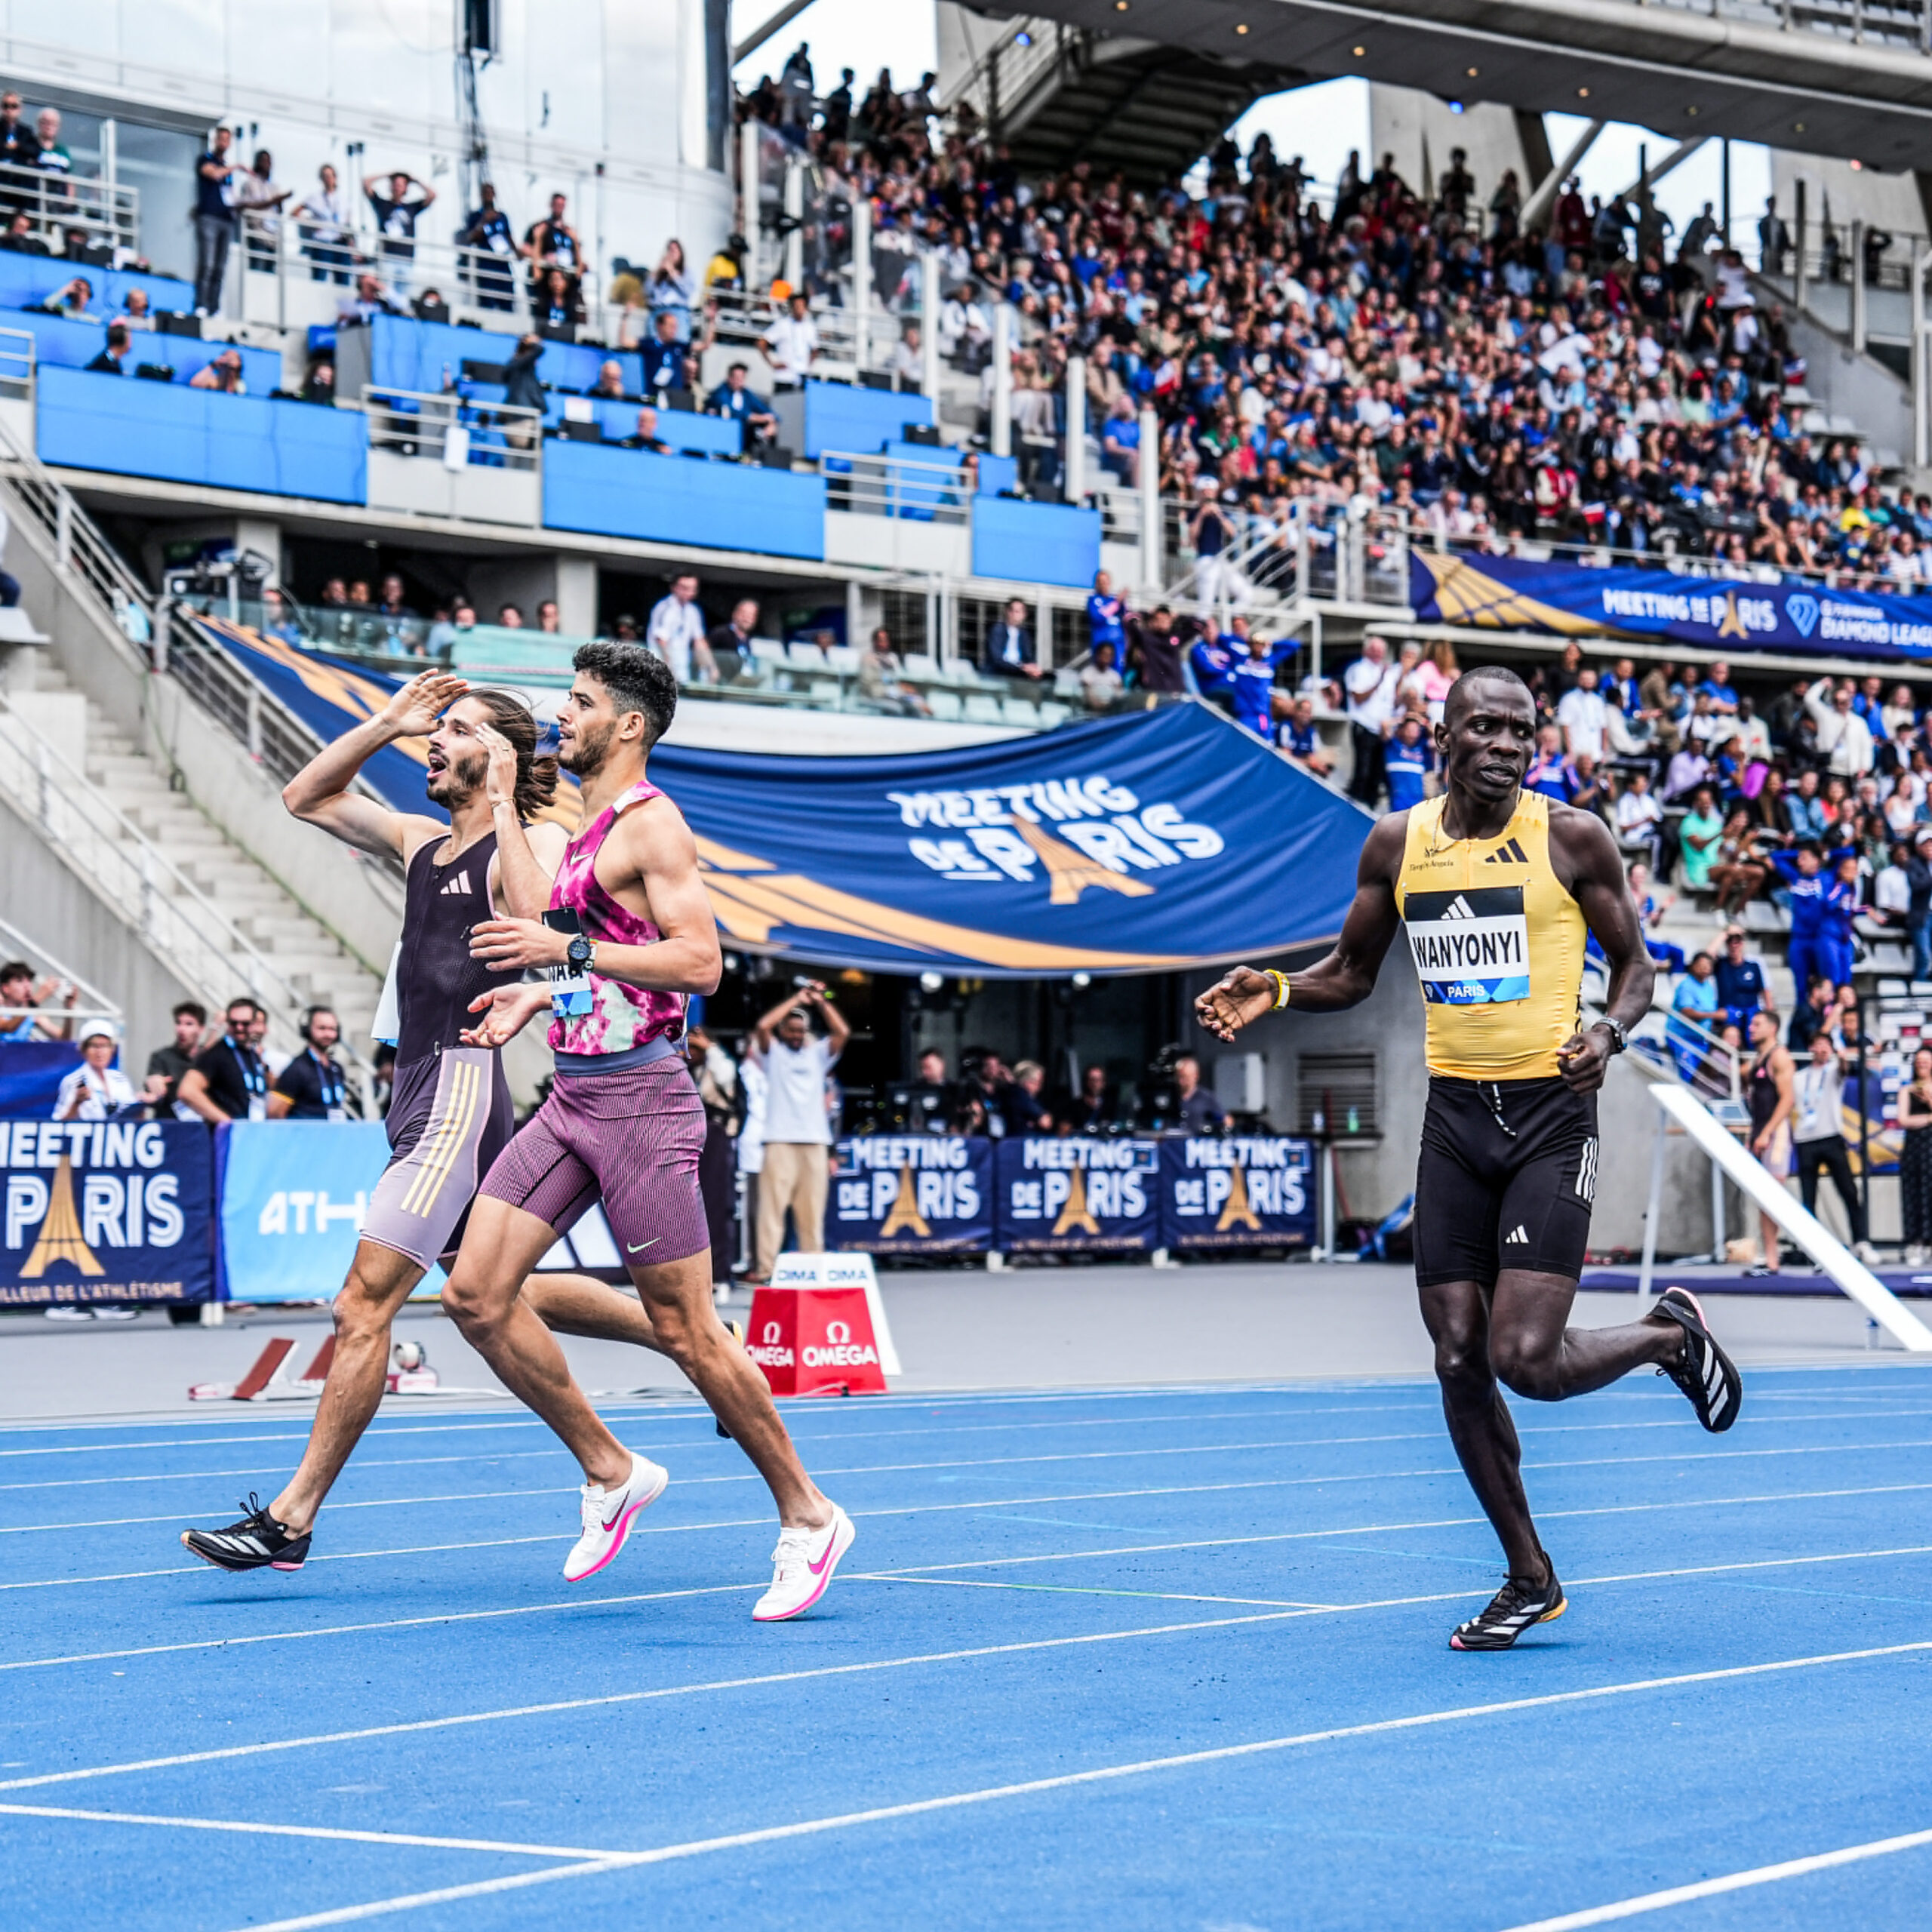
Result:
60,912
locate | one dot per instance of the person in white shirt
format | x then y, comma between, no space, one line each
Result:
1639,816
96,1089
797,1128
1818,1128
790,344
1844,737
676,632
1369,685
323,221
1583,715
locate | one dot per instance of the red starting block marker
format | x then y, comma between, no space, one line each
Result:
814,1341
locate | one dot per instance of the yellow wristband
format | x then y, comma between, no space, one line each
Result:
1281,980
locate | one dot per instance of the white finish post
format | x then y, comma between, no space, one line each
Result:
929,327
748,190
1806,1230
794,212
862,280
1151,561
1073,486
1002,407
1858,287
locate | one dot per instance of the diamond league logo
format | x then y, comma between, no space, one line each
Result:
1802,610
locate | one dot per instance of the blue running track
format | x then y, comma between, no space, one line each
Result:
1149,1658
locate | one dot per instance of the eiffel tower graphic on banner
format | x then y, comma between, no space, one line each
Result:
904,1212
1076,1214
1238,1212
60,1237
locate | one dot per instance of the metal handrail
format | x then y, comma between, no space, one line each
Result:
874,485
18,352
134,875
416,422
55,202
20,947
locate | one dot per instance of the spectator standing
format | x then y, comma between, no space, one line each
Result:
796,1063
166,1065
322,222
1156,654
1299,737
723,1095
18,148
313,1086
1914,1119
1819,1131
1844,738
96,1089
397,214
552,243
1009,649
1408,759
670,290
1106,610
214,220
1584,716
676,632
20,991
1770,1082
229,1080
1369,687
1742,990
791,344
487,232
667,363
257,200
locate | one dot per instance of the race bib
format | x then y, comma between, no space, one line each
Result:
1471,948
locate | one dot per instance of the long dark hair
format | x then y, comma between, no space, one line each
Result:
535,777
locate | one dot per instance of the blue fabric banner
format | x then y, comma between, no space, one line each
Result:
31,1072
911,1194
1736,615
1156,841
1248,1191
294,1193
106,1211
1078,1196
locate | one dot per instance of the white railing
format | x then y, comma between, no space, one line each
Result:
294,271
92,1003
134,876
16,365
107,212
853,339
886,486
1899,24
453,430
1007,70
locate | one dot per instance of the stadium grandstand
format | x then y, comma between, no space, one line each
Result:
1061,515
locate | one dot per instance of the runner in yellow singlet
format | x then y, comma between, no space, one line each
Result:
1500,889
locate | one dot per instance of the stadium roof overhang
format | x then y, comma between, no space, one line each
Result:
1681,73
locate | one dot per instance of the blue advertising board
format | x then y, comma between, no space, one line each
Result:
1247,1191
31,1072
1078,1196
106,1211
294,1194
911,1194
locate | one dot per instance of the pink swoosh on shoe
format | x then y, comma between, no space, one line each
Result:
831,1543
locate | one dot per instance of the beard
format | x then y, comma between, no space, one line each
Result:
459,780
586,753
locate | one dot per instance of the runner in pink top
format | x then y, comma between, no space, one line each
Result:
629,936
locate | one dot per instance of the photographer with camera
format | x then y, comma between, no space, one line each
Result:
796,1063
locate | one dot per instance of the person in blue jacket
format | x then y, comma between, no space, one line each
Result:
1251,684
1822,907
1106,615
1407,763
1211,660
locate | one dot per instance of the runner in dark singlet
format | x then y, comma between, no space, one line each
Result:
1771,1090
451,1114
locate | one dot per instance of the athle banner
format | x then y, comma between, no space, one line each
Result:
106,1211
912,1194
1078,1196
1247,1191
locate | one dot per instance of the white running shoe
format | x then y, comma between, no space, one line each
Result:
608,1515
803,1566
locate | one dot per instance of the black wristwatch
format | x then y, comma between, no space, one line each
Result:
1619,1033
577,954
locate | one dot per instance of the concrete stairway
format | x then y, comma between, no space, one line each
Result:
311,962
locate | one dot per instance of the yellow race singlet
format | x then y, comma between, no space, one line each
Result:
1498,944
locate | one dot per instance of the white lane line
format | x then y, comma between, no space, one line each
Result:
970,1563
981,1504
872,1469
1734,1881
658,1693
1069,1780
1098,1590
303,1831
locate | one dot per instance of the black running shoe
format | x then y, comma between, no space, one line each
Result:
1705,1372
1511,1611
257,1541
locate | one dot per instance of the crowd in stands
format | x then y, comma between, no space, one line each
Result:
1370,348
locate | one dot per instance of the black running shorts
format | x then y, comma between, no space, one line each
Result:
1508,1172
